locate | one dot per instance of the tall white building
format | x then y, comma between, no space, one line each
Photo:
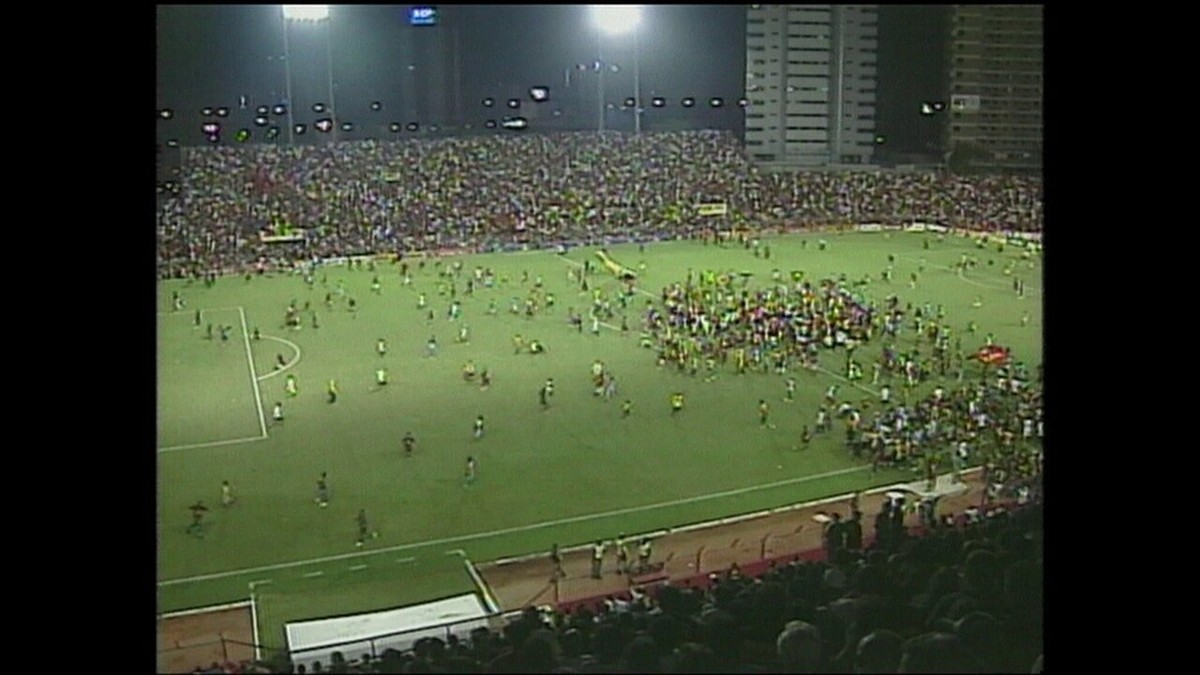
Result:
810,81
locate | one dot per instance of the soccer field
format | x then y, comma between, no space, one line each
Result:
570,474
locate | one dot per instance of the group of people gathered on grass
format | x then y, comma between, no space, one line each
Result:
975,414
504,191
712,320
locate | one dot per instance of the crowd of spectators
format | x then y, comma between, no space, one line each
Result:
993,418
965,597
489,193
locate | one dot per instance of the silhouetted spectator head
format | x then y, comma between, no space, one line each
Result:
695,658
607,643
879,652
719,631
539,653
835,579
428,648
869,580
461,664
936,653
799,647
417,665
641,656
982,571
573,643
1023,585
980,634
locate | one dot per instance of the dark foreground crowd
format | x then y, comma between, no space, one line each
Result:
493,193
963,598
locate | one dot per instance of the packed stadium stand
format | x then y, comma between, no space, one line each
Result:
492,193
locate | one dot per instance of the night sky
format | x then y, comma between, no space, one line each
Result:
212,55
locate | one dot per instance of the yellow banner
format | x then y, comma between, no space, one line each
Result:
712,209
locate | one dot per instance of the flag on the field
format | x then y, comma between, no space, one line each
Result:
992,355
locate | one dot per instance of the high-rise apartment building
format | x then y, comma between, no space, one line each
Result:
810,81
996,86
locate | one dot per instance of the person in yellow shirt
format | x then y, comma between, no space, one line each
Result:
333,391
764,414
676,402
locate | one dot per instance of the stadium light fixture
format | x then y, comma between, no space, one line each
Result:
618,20
308,14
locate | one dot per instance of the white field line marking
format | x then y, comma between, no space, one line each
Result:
994,287
309,575
717,522
401,561
262,418
355,568
519,528
184,312
835,376
189,446
202,610
287,365
959,273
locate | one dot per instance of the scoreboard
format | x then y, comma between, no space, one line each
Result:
422,16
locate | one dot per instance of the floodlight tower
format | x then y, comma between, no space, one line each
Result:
317,14
617,20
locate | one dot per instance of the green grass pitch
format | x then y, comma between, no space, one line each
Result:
570,474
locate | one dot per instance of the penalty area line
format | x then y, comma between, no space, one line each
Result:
210,444
287,365
262,418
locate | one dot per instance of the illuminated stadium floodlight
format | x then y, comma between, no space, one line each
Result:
308,14
618,20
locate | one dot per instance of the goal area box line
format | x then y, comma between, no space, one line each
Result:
185,380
